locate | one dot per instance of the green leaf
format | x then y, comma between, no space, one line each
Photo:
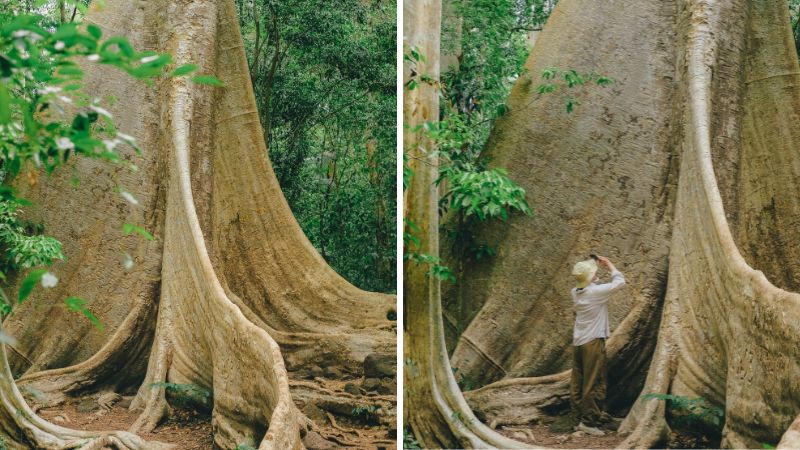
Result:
95,31
208,79
128,229
124,48
78,305
5,105
185,69
30,281
70,70
65,32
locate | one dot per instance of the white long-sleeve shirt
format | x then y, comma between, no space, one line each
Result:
591,309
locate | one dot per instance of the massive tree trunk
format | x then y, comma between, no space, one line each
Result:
230,294
684,172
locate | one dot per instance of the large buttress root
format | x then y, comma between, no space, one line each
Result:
605,185
238,286
89,222
24,429
434,406
728,333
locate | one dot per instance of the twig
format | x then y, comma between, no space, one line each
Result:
20,354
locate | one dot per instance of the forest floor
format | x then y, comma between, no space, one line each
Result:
556,432
550,432
187,429
339,425
192,430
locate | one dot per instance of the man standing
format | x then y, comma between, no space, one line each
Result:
588,383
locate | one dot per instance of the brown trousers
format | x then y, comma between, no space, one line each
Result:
588,383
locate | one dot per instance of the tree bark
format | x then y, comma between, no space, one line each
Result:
434,407
684,172
231,294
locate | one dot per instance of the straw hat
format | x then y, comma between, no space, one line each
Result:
584,273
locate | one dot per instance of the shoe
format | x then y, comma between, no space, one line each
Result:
591,431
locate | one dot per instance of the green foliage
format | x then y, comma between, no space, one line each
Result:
78,305
244,447
129,229
31,280
489,39
794,10
365,413
555,79
20,248
409,441
465,382
186,395
690,411
485,194
46,118
324,75
42,79
413,253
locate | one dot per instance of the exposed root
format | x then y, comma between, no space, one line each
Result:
150,398
726,330
791,439
342,403
25,428
231,276
519,401
102,370
338,427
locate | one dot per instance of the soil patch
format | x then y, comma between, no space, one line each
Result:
334,425
540,434
559,432
189,430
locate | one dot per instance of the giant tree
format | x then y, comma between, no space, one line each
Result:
685,171
229,296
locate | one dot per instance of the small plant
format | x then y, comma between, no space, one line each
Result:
690,411
409,441
244,447
464,382
485,194
186,395
413,254
365,413
23,247
555,79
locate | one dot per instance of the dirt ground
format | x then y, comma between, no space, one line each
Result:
190,431
541,434
557,432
